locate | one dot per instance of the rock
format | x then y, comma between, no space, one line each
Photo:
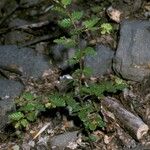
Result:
102,62
8,90
61,55
132,60
61,141
28,62
17,36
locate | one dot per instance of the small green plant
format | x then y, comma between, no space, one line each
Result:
106,28
86,110
76,23
84,100
28,108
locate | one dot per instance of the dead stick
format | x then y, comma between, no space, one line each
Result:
132,123
34,25
37,40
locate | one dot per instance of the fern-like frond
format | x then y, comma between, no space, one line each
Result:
16,116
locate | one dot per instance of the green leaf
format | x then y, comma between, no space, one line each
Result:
39,106
57,100
97,9
28,96
87,107
83,115
92,138
94,89
99,120
65,23
18,125
24,123
67,42
32,106
93,120
77,73
89,51
72,61
99,89
76,31
16,116
94,29
77,57
76,15
59,10
87,71
85,112
119,81
120,87
91,23
106,28
92,126
66,2
28,107
72,105
32,116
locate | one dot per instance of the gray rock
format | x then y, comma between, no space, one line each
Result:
8,90
61,141
17,36
6,106
132,60
100,63
61,55
26,60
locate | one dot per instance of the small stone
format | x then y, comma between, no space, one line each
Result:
61,141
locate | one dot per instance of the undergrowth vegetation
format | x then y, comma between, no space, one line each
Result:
84,99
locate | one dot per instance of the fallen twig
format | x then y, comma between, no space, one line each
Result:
42,130
126,119
38,40
34,25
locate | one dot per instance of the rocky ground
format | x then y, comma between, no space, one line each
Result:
30,61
